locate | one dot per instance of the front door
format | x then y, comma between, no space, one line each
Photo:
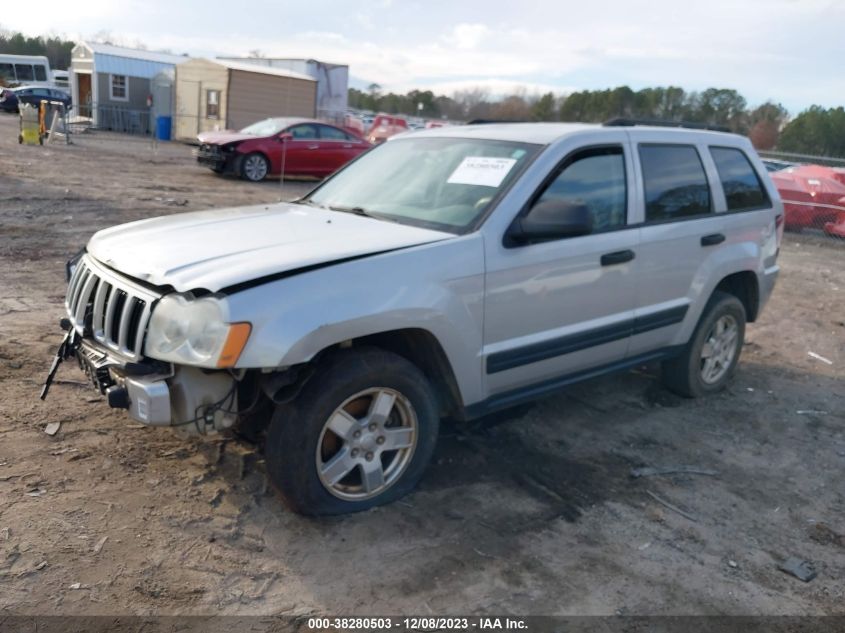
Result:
298,154
83,85
563,306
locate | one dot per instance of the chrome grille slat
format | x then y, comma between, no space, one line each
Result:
123,329
96,290
139,337
83,299
74,282
109,338
76,290
99,303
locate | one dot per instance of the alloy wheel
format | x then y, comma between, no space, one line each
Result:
367,444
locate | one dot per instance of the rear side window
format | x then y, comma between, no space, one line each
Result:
332,133
306,131
742,187
7,71
595,178
675,182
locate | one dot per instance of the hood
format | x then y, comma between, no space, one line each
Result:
223,137
220,248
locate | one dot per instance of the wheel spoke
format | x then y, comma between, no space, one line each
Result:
338,466
381,406
395,439
707,350
372,476
342,424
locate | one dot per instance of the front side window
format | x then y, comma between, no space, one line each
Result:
594,178
118,88
212,104
441,183
40,73
742,187
675,182
24,72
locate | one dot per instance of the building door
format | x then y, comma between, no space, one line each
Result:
83,89
187,115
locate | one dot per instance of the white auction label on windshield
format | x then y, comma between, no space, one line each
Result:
481,170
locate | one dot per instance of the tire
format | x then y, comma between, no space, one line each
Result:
254,167
722,326
319,471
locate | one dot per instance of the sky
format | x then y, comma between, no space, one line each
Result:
788,51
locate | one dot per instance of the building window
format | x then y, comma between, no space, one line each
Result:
119,88
212,104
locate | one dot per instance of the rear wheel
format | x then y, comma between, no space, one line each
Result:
255,167
710,358
359,434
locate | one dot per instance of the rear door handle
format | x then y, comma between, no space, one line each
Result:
619,257
713,239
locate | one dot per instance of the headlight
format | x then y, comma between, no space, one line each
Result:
190,331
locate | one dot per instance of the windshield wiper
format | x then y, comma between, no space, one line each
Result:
356,211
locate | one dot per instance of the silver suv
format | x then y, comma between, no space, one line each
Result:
449,272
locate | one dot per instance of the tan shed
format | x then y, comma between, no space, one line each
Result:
227,95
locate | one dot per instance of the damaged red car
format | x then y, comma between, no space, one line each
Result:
293,146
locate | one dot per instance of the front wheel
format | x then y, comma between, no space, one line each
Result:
359,434
710,358
255,167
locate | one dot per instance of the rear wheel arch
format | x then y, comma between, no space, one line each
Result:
745,287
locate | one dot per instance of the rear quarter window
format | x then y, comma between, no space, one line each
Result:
675,183
742,187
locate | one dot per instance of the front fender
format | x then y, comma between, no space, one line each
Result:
436,287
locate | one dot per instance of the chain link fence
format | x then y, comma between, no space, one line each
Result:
813,192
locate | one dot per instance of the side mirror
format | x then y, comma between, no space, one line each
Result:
552,219
284,137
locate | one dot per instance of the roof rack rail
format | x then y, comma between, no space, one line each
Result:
624,122
491,121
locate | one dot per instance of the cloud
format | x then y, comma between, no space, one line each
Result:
467,36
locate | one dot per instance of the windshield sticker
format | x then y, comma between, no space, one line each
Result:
481,170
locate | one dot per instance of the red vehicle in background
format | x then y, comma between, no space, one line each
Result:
813,197
384,126
300,147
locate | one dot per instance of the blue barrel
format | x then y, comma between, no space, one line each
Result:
163,125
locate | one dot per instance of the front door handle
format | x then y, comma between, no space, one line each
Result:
315,146
713,239
619,257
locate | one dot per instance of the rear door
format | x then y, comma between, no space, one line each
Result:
563,306
336,148
681,234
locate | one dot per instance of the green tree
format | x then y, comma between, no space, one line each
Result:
815,131
544,108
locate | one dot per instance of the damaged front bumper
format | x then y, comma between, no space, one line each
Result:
153,392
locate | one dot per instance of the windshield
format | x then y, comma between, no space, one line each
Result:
442,183
267,127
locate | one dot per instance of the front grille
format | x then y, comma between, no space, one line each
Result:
113,310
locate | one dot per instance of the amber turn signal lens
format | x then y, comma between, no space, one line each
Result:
234,345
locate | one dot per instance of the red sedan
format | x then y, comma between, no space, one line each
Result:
297,147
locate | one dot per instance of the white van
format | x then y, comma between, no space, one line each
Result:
30,70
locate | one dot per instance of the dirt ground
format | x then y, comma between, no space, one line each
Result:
535,512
